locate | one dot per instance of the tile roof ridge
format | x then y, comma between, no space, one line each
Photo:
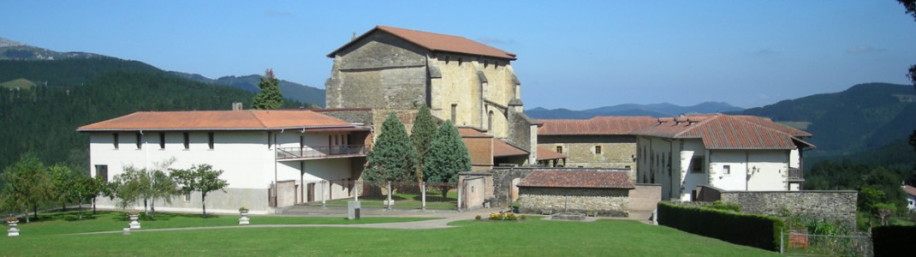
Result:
698,124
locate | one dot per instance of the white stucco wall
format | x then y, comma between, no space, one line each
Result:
751,170
245,158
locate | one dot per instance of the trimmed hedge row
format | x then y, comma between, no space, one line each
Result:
744,229
893,240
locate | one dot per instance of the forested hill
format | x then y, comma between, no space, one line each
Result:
862,118
43,119
289,89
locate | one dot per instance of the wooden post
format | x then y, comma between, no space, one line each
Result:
460,188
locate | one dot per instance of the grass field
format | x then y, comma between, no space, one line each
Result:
470,238
403,201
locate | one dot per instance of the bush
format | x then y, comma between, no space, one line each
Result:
477,217
745,229
719,205
503,216
893,240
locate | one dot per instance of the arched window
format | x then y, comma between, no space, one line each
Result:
490,121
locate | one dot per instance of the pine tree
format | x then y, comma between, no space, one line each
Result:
392,156
269,98
447,156
421,134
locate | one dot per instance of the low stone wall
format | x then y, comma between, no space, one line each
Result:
602,202
829,205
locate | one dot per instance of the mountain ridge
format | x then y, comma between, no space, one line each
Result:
632,109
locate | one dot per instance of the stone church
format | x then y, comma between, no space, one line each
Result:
461,80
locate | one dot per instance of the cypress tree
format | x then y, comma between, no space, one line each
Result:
392,156
446,157
421,134
269,98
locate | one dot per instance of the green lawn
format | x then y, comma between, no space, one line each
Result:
471,238
403,201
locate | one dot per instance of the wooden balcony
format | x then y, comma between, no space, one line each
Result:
320,152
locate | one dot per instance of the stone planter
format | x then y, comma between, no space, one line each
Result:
243,220
14,230
134,224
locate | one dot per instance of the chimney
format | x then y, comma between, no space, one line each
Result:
237,106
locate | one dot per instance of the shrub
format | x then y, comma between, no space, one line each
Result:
523,217
719,205
477,217
745,229
893,240
503,216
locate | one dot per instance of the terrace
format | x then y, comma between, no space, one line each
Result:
320,152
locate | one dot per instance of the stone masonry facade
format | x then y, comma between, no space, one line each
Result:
600,202
823,205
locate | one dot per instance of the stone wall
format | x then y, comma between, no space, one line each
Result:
380,71
830,205
616,151
602,202
352,115
503,186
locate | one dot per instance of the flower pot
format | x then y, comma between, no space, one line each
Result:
14,230
134,224
244,220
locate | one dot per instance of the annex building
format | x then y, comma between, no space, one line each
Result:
311,156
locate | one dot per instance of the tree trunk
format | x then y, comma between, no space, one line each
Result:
27,215
444,190
152,207
35,210
203,204
93,206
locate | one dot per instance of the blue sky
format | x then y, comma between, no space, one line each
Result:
572,54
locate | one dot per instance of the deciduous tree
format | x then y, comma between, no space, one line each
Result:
26,183
447,157
201,178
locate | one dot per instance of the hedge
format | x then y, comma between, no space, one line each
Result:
893,240
744,229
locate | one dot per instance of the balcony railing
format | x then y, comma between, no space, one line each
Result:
320,152
795,174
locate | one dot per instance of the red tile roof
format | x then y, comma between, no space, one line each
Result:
503,149
437,42
909,190
602,125
719,131
471,132
547,154
218,120
577,179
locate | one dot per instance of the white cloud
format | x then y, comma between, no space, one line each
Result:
863,49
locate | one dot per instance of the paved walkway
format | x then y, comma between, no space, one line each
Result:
441,219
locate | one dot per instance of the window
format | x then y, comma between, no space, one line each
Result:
139,140
161,140
490,121
597,149
454,113
446,59
269,143
559,149
210,140
460,61
101,171
187,141
187,196
486,64
726,169
696,164
115,139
